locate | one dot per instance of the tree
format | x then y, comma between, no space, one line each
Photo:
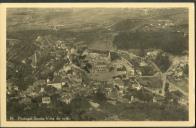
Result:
176,95
22,75
163,62
144,95
186,69
79,106
147,70
172,42
88,67
100,95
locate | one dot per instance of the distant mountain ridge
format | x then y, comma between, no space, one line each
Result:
97,27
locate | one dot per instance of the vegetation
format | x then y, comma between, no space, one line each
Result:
20,74
172,42
86,101
162,61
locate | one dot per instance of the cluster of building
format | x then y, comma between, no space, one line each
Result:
179,71
104,68
115,76
160,24
103,71
152,54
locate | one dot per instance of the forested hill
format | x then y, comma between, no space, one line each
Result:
165,29
172,42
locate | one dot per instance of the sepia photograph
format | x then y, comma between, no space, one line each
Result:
89,64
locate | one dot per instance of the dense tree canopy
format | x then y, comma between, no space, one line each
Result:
173,42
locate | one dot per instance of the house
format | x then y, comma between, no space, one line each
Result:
15,88
85,52
99,57
66,98
76,78
99,65
131,72
46,100
73,51
122,67
100,68
137,86
157,99
132,99
138,72
94,104
142,64
12,88
152,54
39,39
58,86
154,100
42,90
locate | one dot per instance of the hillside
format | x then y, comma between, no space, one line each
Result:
126,28
83,64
